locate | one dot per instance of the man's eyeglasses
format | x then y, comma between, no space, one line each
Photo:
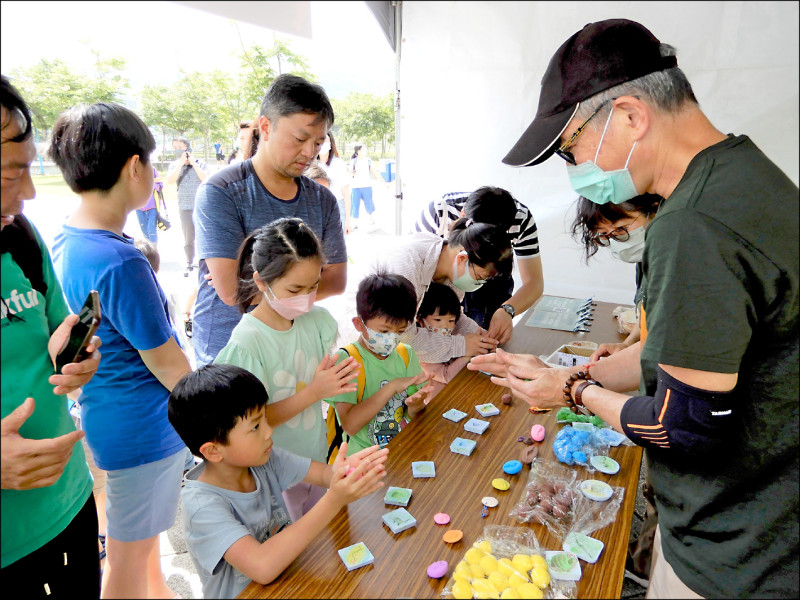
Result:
620,234
563,151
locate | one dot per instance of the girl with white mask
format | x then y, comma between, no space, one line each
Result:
285,341
621,228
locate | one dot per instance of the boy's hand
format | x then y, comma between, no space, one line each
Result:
331,379
348,486
402,383
418,401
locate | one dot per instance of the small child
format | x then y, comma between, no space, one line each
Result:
235,521
390,392
439,312
285,340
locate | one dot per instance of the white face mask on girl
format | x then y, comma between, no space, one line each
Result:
381,344
292,307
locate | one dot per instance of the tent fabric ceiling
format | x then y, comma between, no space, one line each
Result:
384,13
293,18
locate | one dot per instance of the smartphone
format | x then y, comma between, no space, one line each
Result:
82,332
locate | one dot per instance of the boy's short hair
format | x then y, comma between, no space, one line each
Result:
386,295
92,142
315,171
150,253
442,298
206,404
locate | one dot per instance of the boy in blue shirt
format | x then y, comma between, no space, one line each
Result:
235,521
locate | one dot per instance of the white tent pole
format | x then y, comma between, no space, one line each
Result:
398,31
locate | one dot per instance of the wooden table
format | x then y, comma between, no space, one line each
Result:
401,560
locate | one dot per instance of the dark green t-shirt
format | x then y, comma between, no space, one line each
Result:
721,295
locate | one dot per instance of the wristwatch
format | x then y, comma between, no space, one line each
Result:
509,309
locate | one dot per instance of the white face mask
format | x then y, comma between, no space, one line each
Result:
632,249
380,343
465,282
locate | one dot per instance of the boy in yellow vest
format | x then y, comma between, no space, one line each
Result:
390,384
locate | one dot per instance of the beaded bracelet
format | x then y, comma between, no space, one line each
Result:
568,388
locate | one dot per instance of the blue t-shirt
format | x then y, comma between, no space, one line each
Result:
124,406
230,205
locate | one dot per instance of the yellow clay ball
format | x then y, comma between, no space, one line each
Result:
462,590
485,546
540,576
489,563
498,580
478,572
474,555
522,562
484,590
538,561
516,580
529,590
510,594
462,575
504,566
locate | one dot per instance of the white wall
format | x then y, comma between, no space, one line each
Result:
470,80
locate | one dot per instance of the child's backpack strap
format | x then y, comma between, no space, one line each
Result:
402,350
335,430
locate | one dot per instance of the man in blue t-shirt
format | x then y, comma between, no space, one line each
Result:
294,122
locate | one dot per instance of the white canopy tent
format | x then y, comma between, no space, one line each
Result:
468,85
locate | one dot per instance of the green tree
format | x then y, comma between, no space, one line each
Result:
51,86
366,117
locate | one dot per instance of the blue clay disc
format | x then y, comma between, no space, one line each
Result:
512,467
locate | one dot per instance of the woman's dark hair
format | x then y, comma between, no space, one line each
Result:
333,151
356,149
272,250
206,404
92,142
386,295
492,205
251,145
439,297
486,245
15,106
150,252
588,217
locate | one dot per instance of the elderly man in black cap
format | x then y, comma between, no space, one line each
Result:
718,410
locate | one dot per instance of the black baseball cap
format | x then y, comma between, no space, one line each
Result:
598,57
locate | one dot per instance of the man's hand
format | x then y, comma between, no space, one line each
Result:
542,388
29,464
501,326
607,350
497,362
73,375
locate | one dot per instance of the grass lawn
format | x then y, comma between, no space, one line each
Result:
56,186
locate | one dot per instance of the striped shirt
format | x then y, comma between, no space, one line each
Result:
441,214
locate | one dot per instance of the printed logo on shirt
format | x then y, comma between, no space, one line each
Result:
17,303
389,420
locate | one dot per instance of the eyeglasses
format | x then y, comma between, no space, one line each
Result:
620,234
562,149
475,274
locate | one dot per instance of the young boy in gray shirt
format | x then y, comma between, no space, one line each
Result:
235,521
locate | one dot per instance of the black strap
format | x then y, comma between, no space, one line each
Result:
19,239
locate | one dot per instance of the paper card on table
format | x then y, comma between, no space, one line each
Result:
355,556
583,426
399,520
397,496
584,547
476,425
487,410
563,565
454,415
423,468
462,446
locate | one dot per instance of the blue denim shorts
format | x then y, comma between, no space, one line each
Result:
143,501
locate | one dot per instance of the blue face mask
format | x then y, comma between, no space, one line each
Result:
590,181
465,282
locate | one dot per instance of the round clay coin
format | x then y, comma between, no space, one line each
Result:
500,484
452,536
605,464
489,501
538,433
437,569
441,518
512,467
596,490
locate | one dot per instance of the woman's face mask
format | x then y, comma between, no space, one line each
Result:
632,249
465,282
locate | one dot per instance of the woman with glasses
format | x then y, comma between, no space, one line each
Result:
620,228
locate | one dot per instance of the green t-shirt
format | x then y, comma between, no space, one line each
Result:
32,518
285,362
721,277
377,373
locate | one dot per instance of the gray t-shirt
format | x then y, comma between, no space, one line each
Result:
214,518
231,204
189,183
